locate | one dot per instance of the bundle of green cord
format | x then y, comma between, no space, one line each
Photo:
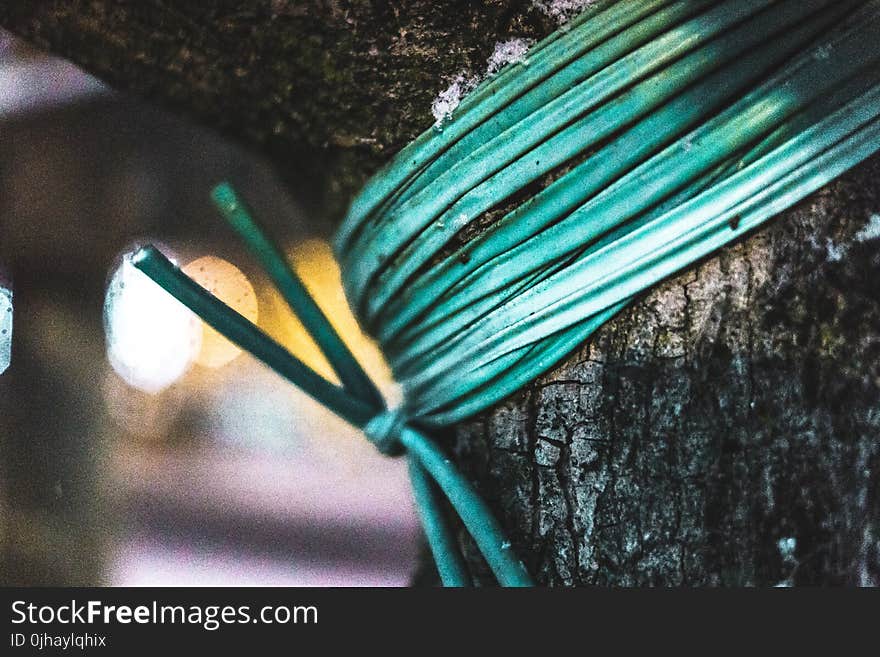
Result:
643,137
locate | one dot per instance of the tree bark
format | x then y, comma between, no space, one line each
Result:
723,430
326,89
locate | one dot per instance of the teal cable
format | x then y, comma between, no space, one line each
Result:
452,571
464,326
535,99
479,521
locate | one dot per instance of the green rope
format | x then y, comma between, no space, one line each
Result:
637,147
643,137
451,567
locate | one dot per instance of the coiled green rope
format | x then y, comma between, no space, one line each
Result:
645,136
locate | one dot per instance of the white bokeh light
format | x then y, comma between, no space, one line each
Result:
5,328
151,337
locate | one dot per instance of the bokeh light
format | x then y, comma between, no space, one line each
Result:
315,264
151,338
226,282
5,328
254,408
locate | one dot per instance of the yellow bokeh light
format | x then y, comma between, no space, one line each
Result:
226,282
313,261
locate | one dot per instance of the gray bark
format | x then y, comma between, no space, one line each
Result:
723,430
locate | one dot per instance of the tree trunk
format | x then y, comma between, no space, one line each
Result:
722,430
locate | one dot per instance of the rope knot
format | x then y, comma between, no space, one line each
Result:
384,432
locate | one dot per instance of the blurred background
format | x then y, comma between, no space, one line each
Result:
137,447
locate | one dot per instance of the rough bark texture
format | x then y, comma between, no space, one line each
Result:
723,430
328,90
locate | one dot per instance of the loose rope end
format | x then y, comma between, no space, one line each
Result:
225,198
144,256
